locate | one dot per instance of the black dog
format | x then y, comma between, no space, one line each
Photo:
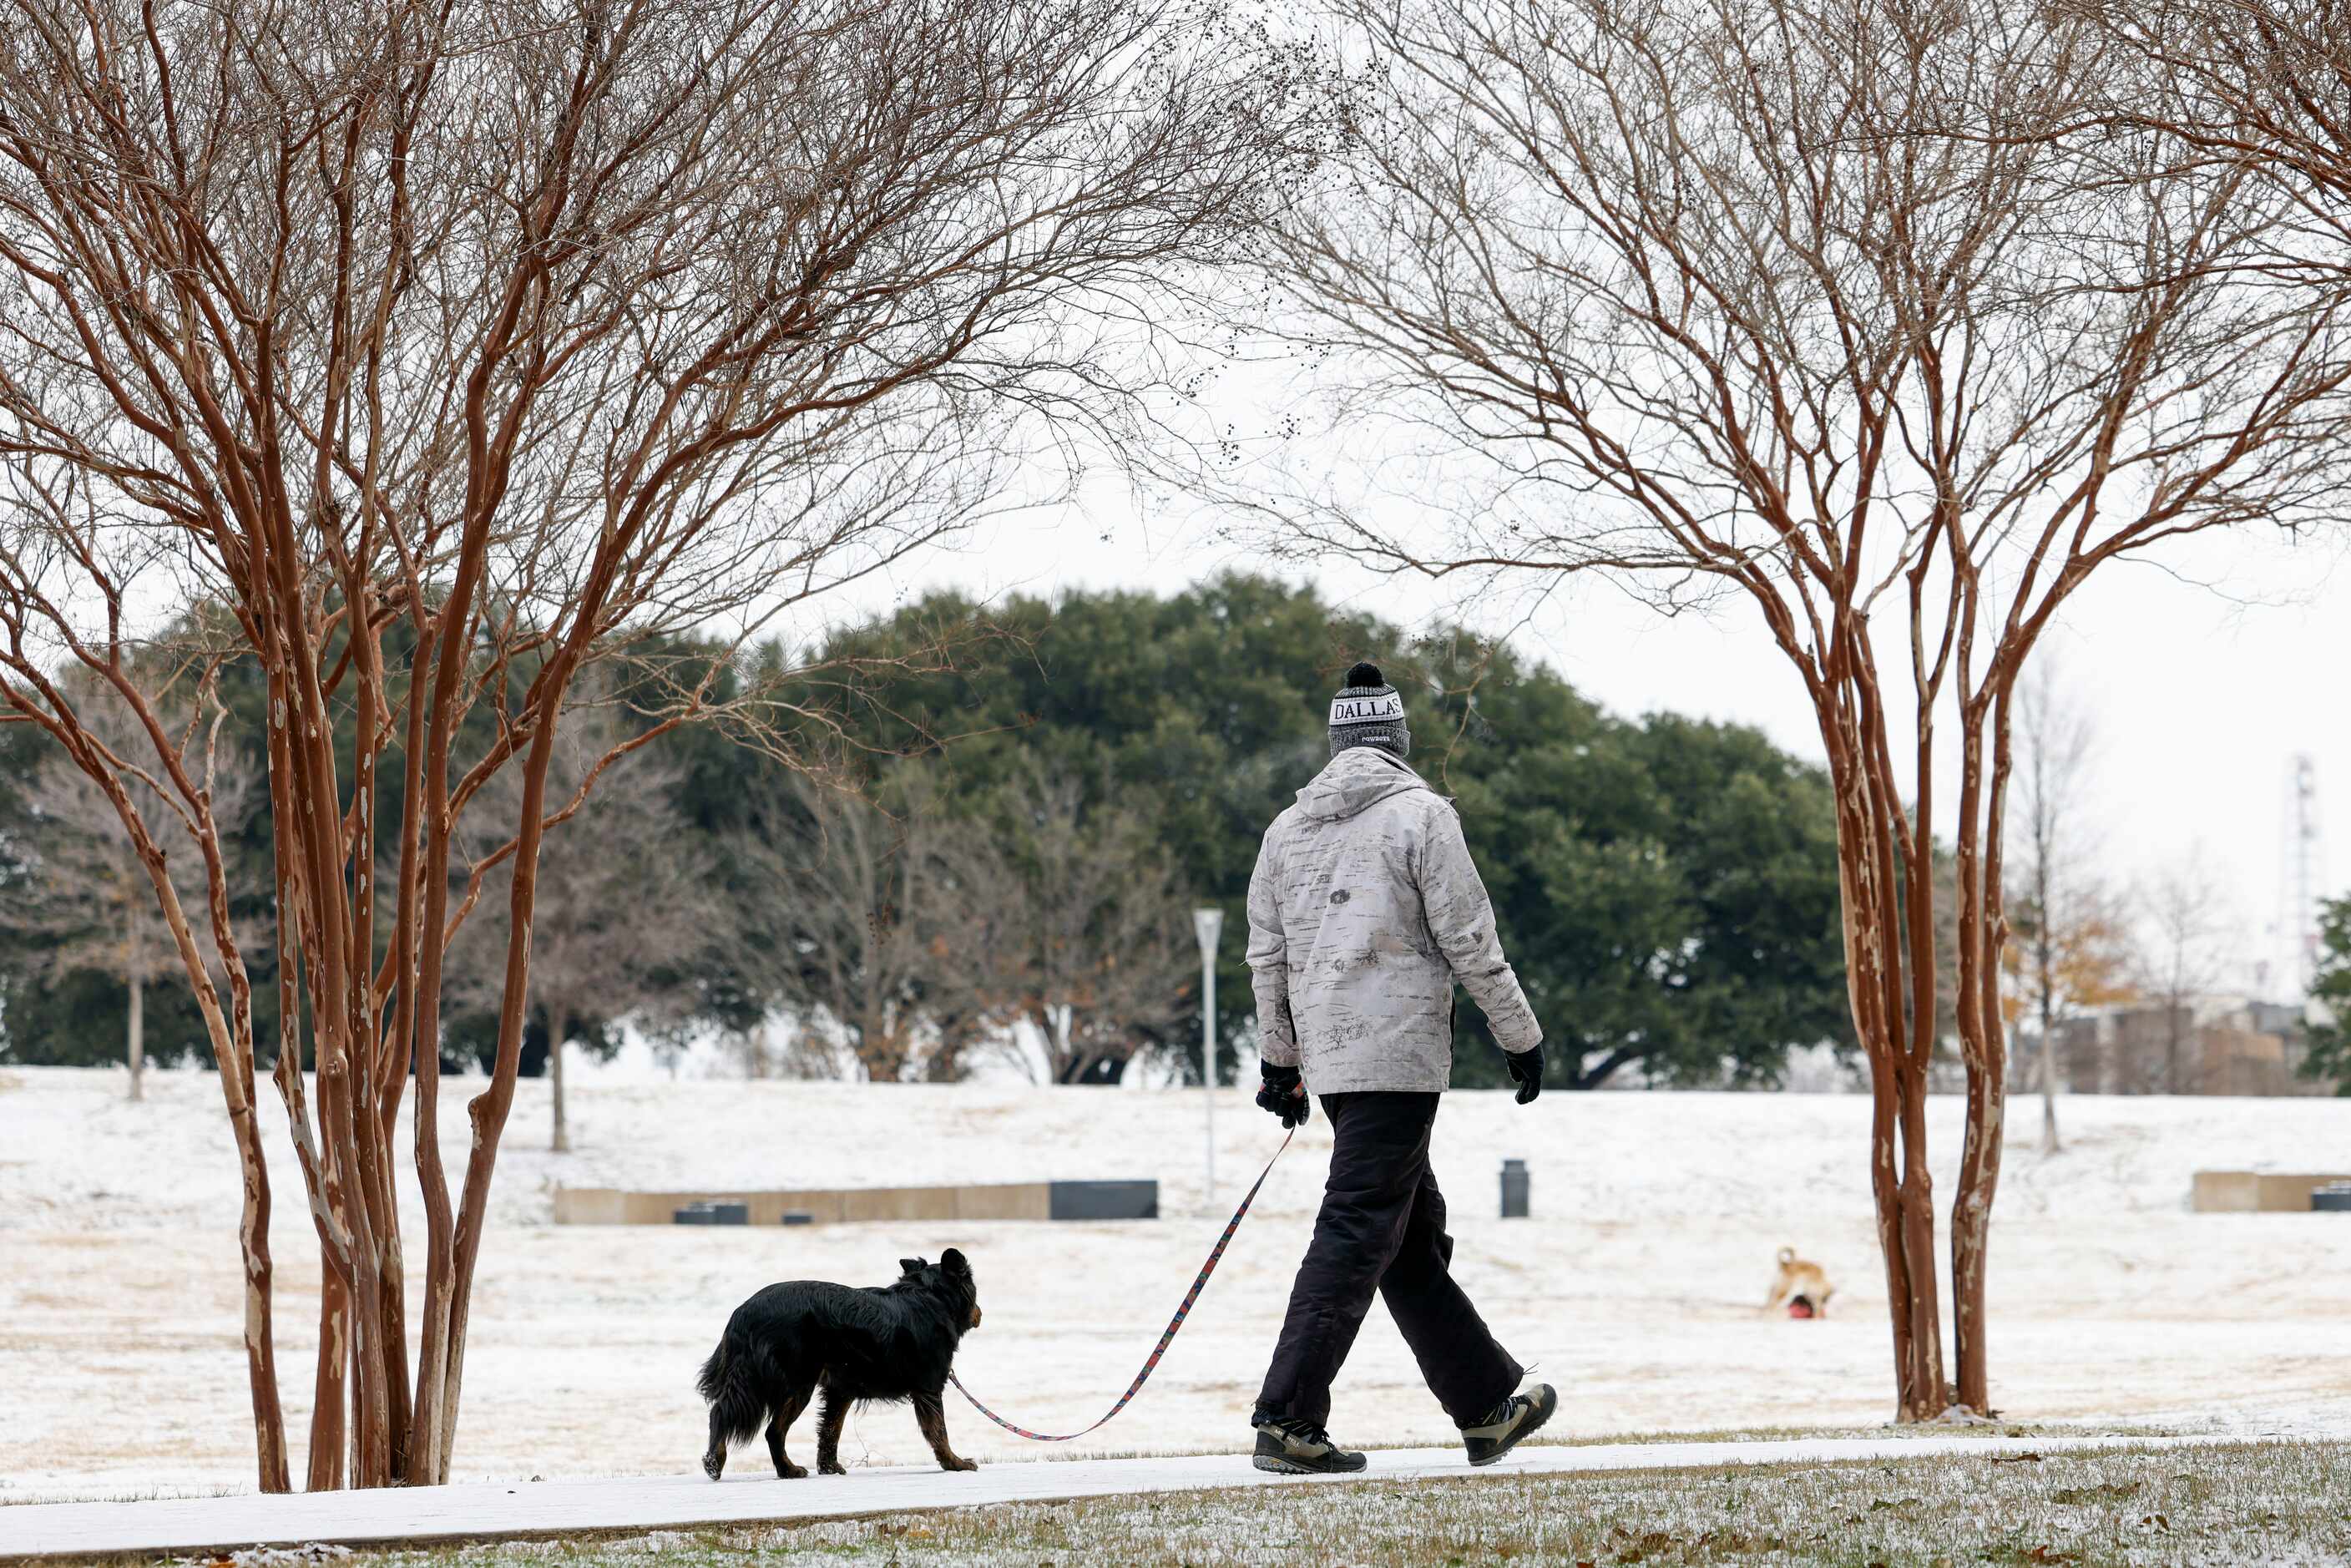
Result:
857,1345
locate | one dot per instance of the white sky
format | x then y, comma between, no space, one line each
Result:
2204,675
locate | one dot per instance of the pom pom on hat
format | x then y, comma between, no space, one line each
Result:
1369,712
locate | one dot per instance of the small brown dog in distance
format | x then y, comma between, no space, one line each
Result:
1800,1284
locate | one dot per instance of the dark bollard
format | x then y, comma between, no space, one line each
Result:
1514,1189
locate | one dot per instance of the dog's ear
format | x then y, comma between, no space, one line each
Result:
910,1266
953,1262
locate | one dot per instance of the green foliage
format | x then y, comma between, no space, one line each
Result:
2329,1056
54,1012
1204,711
78,1018
1667,887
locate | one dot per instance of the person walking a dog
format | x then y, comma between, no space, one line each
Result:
1363,911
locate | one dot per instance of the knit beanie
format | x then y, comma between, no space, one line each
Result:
1368,712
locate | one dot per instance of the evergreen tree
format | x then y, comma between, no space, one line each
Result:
2329,1055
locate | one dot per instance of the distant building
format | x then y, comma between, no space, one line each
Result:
2212,1045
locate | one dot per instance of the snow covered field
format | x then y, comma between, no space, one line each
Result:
1634,1288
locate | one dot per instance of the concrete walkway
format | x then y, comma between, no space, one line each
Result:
750,1495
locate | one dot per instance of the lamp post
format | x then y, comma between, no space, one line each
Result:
1208,924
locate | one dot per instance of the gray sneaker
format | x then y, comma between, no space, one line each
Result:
1515,1418
1302,1449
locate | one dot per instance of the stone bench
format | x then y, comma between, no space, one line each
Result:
1039,1201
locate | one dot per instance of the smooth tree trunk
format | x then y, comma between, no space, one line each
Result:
229,1026
330,1428
487,1111
1885,860
561,1142
1972,1235
2049,1141
1887,918
1986,718
137,1028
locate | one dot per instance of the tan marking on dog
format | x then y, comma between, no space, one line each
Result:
1798,1278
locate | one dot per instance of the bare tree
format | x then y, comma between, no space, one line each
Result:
911,937
2182,958
452,349
758,1056
85,897
627,902
1078,928
2068,947
2257,85
864,901
1825,306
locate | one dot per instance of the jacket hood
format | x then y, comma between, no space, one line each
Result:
1357,779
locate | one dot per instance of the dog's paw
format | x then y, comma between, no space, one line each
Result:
713,1464
792,1473
832,1470
960,1465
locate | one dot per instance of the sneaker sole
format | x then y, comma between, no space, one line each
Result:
1272,1465
1534,1424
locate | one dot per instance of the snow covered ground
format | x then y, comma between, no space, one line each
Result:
1634,1288
560,1510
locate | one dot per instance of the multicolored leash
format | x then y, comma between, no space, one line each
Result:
1151,1365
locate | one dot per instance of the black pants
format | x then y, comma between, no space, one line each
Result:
1383,1228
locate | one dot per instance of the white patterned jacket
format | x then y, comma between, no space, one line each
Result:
1364,910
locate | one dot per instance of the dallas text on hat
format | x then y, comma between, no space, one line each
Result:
1366,710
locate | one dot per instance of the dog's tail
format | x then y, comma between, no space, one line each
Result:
1787,1256
730,1383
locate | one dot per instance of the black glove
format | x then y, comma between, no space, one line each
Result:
1283,1094
1526,1072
